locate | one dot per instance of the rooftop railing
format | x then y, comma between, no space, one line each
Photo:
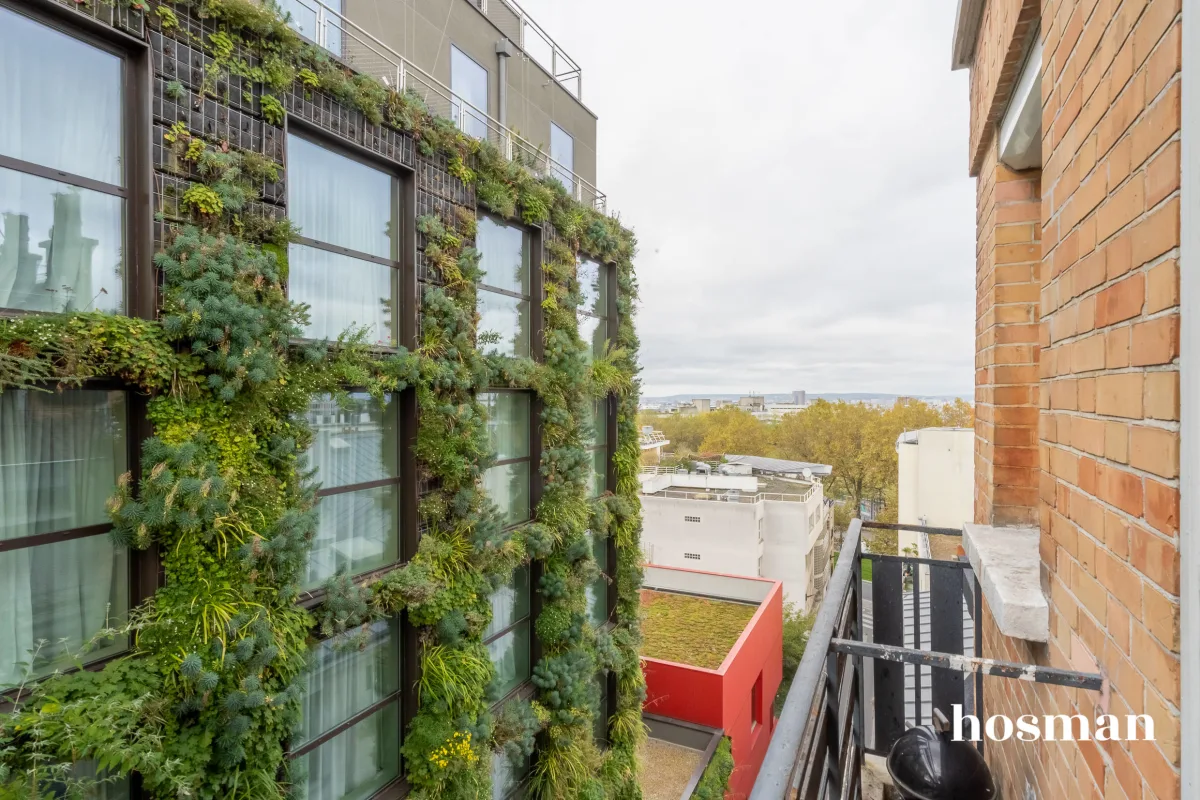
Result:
521,29
729,496
894,642
358,49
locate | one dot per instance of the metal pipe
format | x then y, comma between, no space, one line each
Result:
969,664
503,51
772,783
904,526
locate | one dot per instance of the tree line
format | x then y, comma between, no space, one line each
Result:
857,439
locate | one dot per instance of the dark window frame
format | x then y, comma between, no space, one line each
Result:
405,326
138,280
456,97
359,716
140,563
528,620
403,199
532,459
537,291
535,281
403,451
405,708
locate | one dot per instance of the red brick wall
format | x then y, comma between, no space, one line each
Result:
1008,260
1001,45
1107,386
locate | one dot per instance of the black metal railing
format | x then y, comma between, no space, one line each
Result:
885,651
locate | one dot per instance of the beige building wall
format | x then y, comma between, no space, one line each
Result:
423,31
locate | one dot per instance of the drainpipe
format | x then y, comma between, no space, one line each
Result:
504,49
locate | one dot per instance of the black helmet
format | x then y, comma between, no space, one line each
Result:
926,764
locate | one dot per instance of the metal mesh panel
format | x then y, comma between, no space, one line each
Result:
130,20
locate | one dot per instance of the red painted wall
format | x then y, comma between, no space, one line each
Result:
759,651
681,692
722,698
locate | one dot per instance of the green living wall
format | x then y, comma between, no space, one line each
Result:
209,694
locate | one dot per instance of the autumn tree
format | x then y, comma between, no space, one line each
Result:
959,414
857,439
737,432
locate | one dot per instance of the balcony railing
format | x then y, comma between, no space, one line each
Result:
730,496
358,49
884,653
520,28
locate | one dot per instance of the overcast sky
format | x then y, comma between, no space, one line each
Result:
796,173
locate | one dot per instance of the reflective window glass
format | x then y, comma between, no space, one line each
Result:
469,88
62,112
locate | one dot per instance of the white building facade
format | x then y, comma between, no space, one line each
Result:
724,523
936,480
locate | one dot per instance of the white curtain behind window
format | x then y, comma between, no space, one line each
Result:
62,112
339,201
354,444
344,682
60,455
60,245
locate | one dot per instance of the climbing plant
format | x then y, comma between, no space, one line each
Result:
209,695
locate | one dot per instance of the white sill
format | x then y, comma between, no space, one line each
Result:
1008,565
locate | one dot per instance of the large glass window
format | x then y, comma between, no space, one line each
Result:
507,483
600,730
562,153
62,581
358,685
597,443
505,288
93,784
469,94
356,452
62,171
597,591
313,22
592,277
508,778
508,637
344,264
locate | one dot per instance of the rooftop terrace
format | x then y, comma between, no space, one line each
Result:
699,631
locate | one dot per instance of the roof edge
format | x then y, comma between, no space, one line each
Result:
966,32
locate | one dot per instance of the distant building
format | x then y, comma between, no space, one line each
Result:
764,526
652,443
761,465
699,405
937,467
777,411
753,402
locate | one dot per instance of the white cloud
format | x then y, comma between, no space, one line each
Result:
796,174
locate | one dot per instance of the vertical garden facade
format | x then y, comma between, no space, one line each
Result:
317,431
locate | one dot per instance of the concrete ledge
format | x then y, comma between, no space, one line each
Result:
1008,566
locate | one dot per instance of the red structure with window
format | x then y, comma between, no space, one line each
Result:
738,696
